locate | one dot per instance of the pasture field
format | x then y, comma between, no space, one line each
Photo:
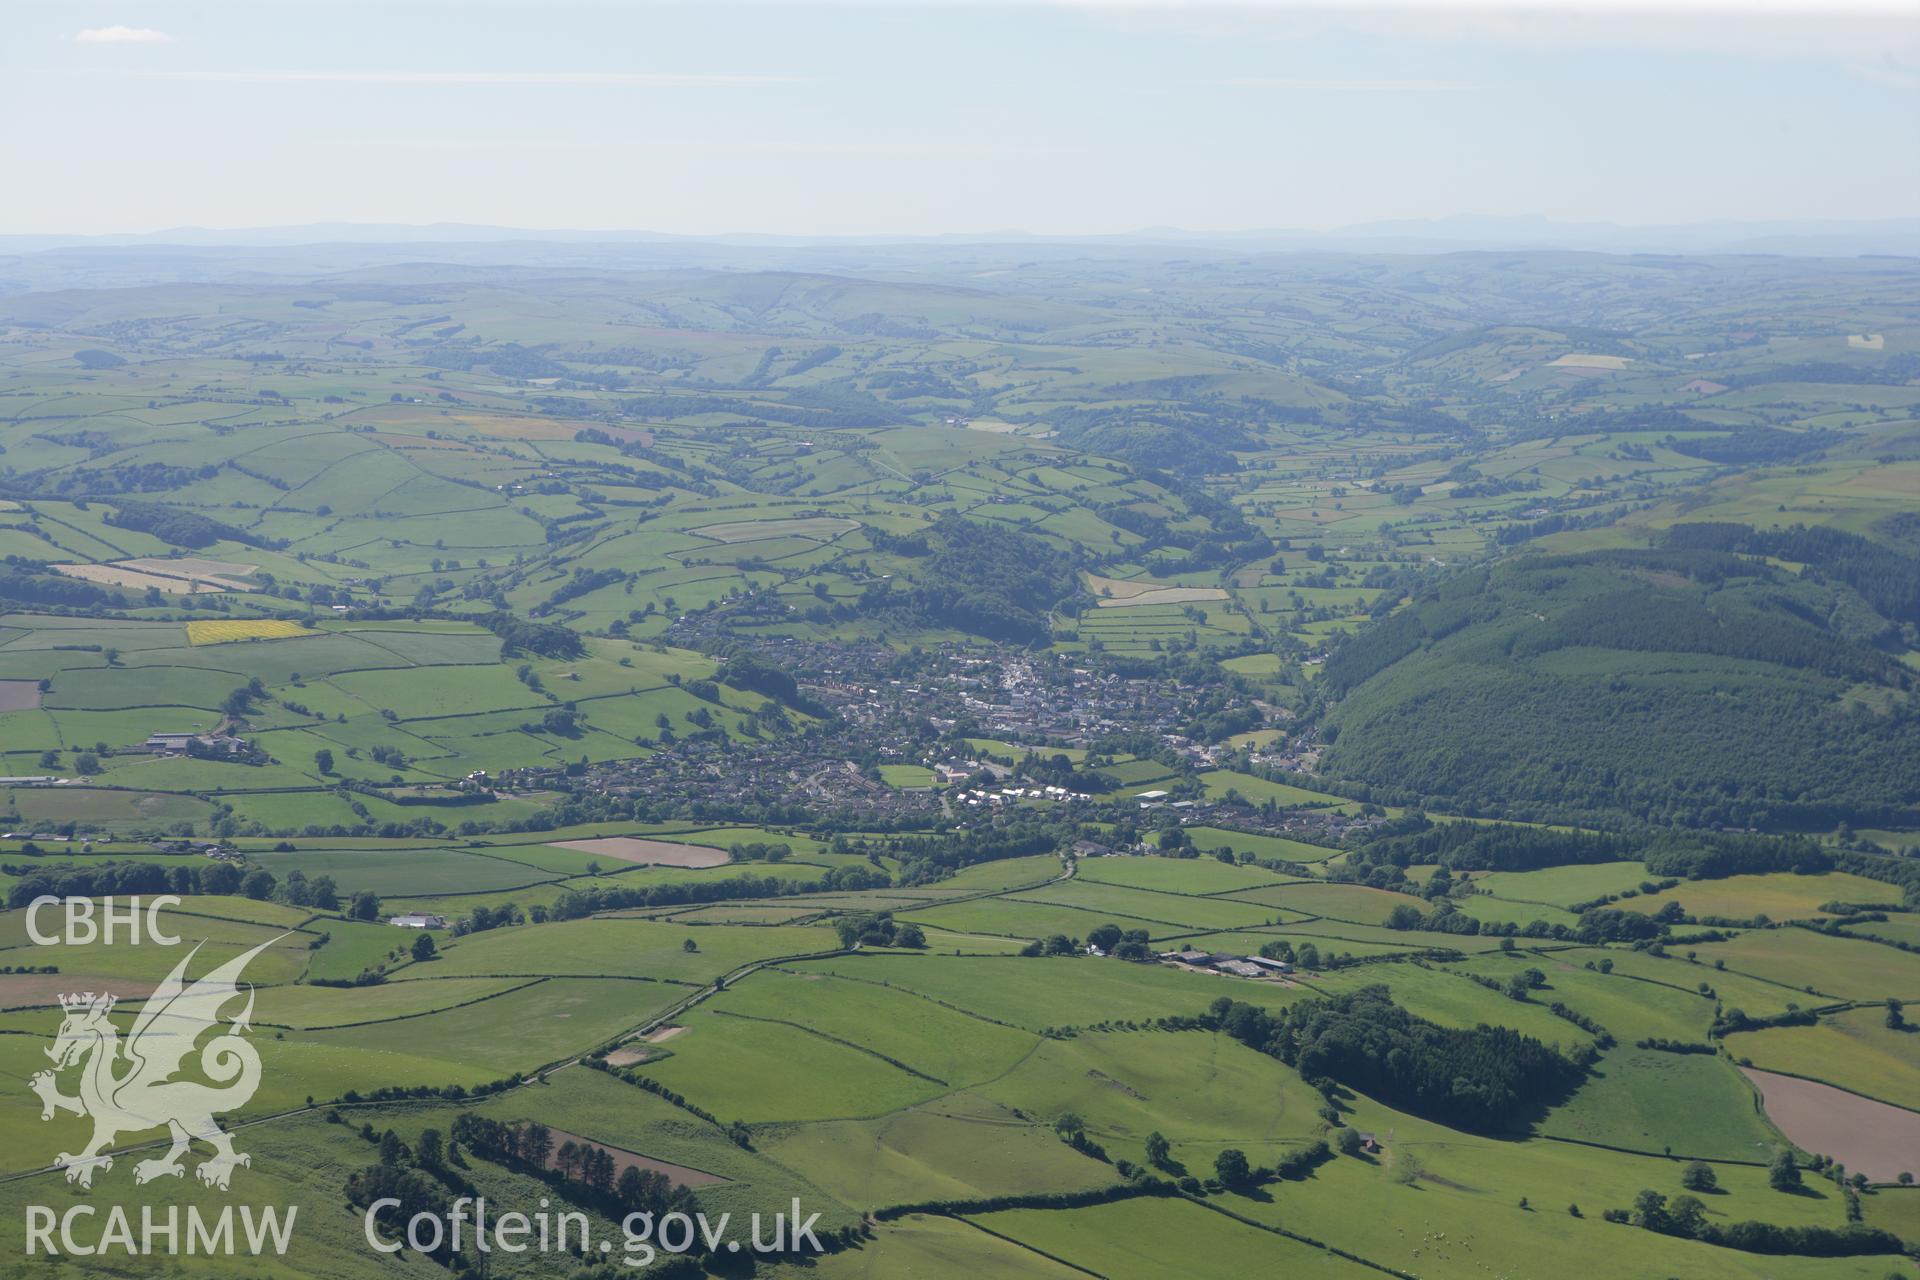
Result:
1356,904
1853,1049
308,1008
1214,839
1450,999
1149,907
1174,875
1897,1211
1202,1091
918,1244
524,596
1819,965
625,949
1027,918
961,1146
763,1071
1777,897
1563,886
1008,873
905,1028
1644,1100
1259,790
1036,993
550,1020
1444,1224
1137,1240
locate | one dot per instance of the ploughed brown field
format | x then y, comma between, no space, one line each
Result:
1874,1138
661,853
35,990
19,695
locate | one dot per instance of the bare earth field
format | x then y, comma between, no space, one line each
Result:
1874,1138
33,990
659,853
19,695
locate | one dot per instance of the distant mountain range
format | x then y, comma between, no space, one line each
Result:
1439,235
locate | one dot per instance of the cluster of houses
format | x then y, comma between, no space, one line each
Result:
1006,794
1226,962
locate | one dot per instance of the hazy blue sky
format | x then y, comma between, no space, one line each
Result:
917,118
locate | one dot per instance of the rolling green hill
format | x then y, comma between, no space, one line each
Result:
1683,683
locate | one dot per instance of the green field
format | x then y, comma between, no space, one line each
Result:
1564,599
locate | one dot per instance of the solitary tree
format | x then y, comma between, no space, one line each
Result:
1230,1166
1783,1174
323,760
1158,1149
423,948
1699,1176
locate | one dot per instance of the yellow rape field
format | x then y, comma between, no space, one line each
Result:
226,630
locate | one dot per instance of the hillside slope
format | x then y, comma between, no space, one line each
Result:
1695,682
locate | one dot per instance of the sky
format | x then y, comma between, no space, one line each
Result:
1073,117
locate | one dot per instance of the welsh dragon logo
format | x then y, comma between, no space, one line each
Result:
128,1088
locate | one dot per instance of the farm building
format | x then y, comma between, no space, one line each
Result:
190,743
418,921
